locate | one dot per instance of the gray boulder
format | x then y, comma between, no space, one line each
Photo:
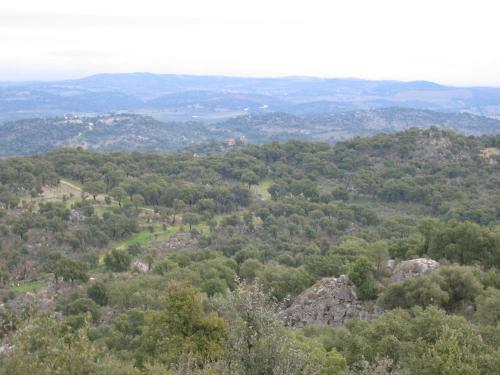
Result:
331,301
412,268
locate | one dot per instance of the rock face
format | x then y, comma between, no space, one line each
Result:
330,301
412,268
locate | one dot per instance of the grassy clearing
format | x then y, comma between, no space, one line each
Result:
146,236
140,238
66,189
101,208
24,288
75,183
262,189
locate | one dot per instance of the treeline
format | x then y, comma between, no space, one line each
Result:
442,171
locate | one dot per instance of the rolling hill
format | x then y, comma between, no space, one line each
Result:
182,97
132,132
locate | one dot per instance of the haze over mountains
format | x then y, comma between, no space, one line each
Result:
149,112
186,97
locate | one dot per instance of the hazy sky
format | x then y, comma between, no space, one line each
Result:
448,41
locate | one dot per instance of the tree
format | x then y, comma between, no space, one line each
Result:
26,221
379,254
119,225
98,293
134,249
7,199
361,276
249,269
179,327
94,188
258,343
420,341
324,266
461,285
82,306
190,219
119,195
178,206
117,260
67,269
488,307
462,242
419,291
451,354
281,282
250,178
206,206
42,347
213,286
149,258
137,200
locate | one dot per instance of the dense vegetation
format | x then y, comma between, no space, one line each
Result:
124,263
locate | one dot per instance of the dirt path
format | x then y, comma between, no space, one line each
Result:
70,185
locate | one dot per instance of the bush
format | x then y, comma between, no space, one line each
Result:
82,306
117,261
361,276
98,293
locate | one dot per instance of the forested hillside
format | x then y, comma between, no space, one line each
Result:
132,132
176,263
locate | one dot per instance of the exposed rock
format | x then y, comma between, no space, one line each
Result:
391,264
34,246
330,301
41,300
412,268
76,217
107,315
5,348
140,266
179,241
469,312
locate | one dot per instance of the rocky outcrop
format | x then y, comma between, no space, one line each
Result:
41,300
331,301
179,241
140,266
411,268
76,217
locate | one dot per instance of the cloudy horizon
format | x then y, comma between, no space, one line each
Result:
450,42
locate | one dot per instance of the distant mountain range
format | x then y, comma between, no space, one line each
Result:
132,132
211,98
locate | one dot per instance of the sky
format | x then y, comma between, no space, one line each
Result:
447,41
